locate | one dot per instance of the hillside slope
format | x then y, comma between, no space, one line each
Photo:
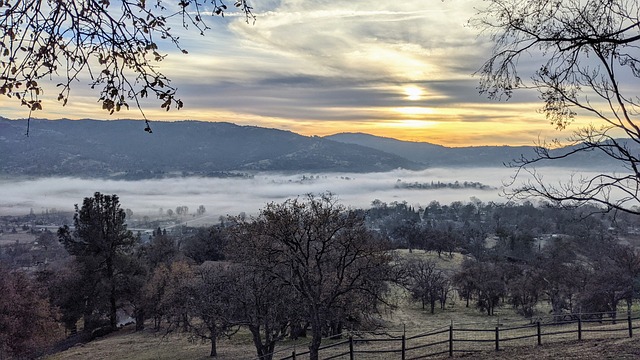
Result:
472,156
120,148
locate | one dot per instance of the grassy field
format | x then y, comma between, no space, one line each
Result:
408,318
21,237
149,345
127,344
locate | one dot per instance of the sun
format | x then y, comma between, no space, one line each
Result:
413,93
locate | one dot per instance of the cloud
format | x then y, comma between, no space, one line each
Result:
359,39
319,67
303,57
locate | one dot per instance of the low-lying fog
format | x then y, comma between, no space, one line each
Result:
231,196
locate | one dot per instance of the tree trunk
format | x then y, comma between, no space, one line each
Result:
87,317
113,315
297,330
614,306
336,330
214,348
139,314
185,322
213,335
442,298
556,306
264,351
270,348
316,339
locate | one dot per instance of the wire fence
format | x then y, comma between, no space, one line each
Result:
470,338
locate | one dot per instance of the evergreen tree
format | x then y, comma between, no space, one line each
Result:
101,244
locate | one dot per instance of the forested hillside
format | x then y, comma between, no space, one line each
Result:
120,149
471,156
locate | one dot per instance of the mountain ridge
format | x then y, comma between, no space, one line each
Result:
433,155
120,149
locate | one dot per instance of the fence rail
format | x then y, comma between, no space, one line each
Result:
450,340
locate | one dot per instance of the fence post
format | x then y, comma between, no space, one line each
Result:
539,333
580,327
351,354
404,346
293,355
497,338
630,324
450,340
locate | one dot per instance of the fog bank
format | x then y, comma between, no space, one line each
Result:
231,196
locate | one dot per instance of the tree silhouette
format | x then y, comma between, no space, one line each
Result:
115,44
322,252
100,243
587,63
426,282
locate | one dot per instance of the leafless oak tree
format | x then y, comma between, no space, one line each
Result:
426,282
208,298
115,44
586,62
322,252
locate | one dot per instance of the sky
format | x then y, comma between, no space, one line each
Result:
317,67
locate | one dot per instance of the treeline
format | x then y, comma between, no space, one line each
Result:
578,260
443,185
142,174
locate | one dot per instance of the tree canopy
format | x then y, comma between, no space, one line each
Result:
27,321
101,245
322,253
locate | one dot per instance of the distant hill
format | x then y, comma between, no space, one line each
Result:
121,149
432,155
437,155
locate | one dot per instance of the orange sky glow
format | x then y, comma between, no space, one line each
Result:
387,69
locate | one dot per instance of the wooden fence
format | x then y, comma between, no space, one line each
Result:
455,339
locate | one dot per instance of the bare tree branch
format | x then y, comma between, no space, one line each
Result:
589,61
115,44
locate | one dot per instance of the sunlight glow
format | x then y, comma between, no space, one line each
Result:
415,124
413,93
415,110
